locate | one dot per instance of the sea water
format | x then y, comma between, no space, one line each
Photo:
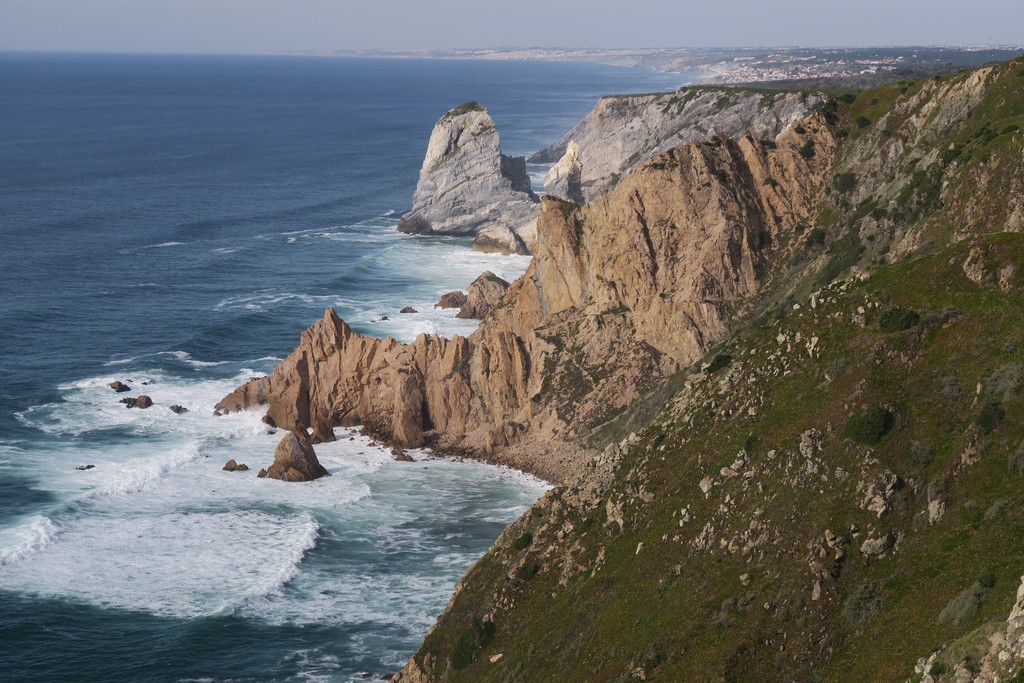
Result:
174,222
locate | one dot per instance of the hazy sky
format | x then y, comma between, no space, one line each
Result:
256,26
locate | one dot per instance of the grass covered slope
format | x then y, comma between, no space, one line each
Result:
838,494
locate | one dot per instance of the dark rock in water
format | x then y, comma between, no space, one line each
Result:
408,309
384,317
119,386
269,421
142,401
178,410
452,300
294,460
217,413
85,467
401,455
233,466
145,384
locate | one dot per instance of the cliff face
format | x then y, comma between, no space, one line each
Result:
467,186
623,131
837,494
620,295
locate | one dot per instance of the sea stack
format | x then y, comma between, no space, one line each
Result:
468,187
294,460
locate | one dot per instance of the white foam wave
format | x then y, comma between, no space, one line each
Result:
186,357
121,361
132,477
182,564
40,533
161,245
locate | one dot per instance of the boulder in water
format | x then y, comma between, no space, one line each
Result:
178,410
294,460
408,309
119,386
232,466
142,401
452,300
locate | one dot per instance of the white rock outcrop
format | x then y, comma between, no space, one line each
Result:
468,187
623,131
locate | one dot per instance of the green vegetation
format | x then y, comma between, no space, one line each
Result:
463,108
864,605
523,541
869,425
720,361
965,606
845,182
897,319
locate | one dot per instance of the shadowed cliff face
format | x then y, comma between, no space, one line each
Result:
620,295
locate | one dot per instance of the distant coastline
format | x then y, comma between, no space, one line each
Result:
815,66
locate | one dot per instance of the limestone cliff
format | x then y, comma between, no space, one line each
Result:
468,187
623,131
620,295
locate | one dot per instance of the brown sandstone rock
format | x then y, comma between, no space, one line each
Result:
232,466
620,294
294,460
178,410
119,386
452,300
484,294
408,309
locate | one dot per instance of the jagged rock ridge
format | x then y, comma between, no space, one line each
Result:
620,294
623,131
468,187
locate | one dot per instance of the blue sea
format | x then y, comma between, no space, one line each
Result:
174,222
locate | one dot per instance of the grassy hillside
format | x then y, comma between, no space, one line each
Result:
839,492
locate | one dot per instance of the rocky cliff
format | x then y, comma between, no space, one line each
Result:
620,295
623,131
835,493
468,187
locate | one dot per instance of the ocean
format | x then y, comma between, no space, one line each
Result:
175,222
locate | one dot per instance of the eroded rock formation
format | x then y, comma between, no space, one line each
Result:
623,131
468,187
294,460
485,293
620,294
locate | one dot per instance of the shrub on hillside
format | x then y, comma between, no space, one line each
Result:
719,362
864,605
869,425
897,319
991,415
963,607
845,182
1016,461
479,635
523,542
815,238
